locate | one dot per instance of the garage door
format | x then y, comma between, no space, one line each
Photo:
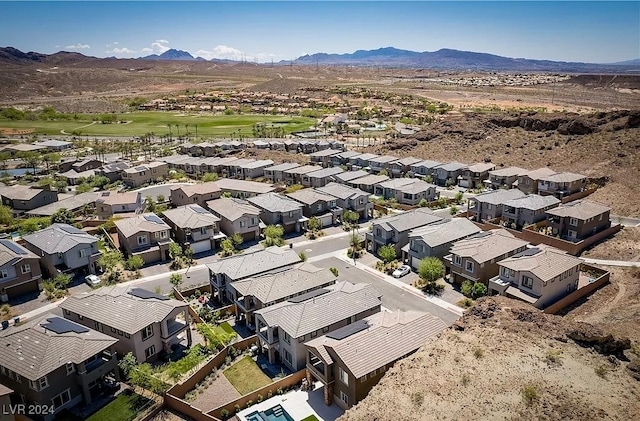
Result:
327,220
415,262
201,246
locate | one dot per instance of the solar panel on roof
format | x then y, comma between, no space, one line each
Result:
59,325
528,252
308,295
71,230
13,247
144,294
154,219
199,209
348,330
140,168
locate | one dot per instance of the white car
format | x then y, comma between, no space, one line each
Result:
401,271
92,280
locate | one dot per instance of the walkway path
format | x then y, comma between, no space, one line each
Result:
219,392
622,263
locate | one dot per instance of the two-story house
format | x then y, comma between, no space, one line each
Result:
368,182
295,175
345,177
408,191
63,248
351,360
112,171
19,270
254,169
342,158
447,174
275,173
540,276
578,220
195,227
323,157
476,258
25,198
435,240
527,210
317,204
50,362
528,182
86,165
380,163
145,235
561,184
143,174
504,178
402,166
261,291
394,229
474,175
276,209
144,323
321,177
349,198
425,168
111,203
489,205
243,188
196,194
234,168
362,161
283,328
235,268
237,217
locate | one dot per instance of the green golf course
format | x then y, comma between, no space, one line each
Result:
159,123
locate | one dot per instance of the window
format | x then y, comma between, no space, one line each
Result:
527,282
373,373
488,206
600,218
147,332
287,357
344,398
163,234
83,253
142,239
126,335
290,214
80,317
287,338
3,370
43,382
319,206
505,272
242,224
61,399
572,234
314,333
573,222
99,326
379,232
149,352
119,332
70,368
203,230
344,377
26,268
363,379
3,274
457,260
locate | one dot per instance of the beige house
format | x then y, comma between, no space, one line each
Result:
197,194
408,191
55,362
562,184
19,271
146,173
579,219
351,360
473,177
144,323
528,182
476,258
283,328
504,178
111,203
25,198
243,188
540,276
194,226
145,235
237,217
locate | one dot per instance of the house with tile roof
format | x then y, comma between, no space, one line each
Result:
577,220
275,173
447,174
489,205
243,188
395,229
316,204
295,175
25,198
368,182
425,168
350,198
528,182
195,194
562,184
283,328
145,173
143,322
351,360
237,216
504,178
19,270
111,203
276,209
402,166
63,248
474,175
408,191
540,276
321,177
145,235
195,227
55,362
527,210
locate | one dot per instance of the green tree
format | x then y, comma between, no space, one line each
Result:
31,158
100,181
430,269
84,188
6,216
227,248
226,194
175,250
206,177
62,281
134,263
51,159
350,217
176,280
237,240
110,259
4,157
466,288
387,253
62,216
160,198
27,226
127,364
479,290
273,235
314,224
458,197
150,204
384,172
453,210
423,203
427,179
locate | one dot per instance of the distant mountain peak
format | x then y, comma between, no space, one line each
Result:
171,54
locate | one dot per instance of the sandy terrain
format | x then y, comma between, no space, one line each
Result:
624,245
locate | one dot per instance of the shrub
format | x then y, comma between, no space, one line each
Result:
453,210
479,290
466,288
387,253
303,256
134,263
423,203
260,398
465,302
224,414
334,271
465,379
458,198
529,394
236,408
554,356
430,269
269,394
602,371
249,403
280,391
478,353
417,398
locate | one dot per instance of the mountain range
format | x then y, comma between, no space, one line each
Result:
382,57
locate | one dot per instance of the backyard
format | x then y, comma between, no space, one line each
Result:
125,407
246,376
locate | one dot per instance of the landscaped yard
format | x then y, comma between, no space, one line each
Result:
246,376
125,407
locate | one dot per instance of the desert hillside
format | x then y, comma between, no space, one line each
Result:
505,360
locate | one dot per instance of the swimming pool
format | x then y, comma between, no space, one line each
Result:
277,413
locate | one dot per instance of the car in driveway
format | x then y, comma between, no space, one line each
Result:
401,271
92,280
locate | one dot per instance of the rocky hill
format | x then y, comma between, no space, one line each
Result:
505,360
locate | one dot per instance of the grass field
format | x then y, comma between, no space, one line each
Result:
125,407
140,123
246,376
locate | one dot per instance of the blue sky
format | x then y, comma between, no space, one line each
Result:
598,32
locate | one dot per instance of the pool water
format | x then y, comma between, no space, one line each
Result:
277,413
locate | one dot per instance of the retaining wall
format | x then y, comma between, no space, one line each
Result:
601,281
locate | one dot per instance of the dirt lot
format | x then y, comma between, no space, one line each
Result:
624,245
505,360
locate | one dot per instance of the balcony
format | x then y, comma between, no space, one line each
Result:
240,302
499,285
174,327
98,362
263,334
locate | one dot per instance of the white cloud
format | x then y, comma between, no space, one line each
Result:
223,52
78,47
160,46
162,41
123,50
146,50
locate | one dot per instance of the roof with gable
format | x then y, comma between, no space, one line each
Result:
342,191
250,264
544,262
377,340
232,209
226,184
350,175
59,238
408,220
325,172
579,209
125,308
19,192
32,350
118,198
539,173
71,203
509,172
426,164
498,197
274,202
446,231
283,167
563,177
533,202
303,169
146,222
310,196
191,216
293,280
384,159
369,180
487,245
200,188
12,252
407,185
481,167
452,166
337,302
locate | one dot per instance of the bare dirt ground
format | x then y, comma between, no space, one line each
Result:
501,352
170,415
624,245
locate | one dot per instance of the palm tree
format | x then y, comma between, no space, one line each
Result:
178,127
196,132
169,126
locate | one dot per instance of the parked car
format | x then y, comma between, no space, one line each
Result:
92,280
401,271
